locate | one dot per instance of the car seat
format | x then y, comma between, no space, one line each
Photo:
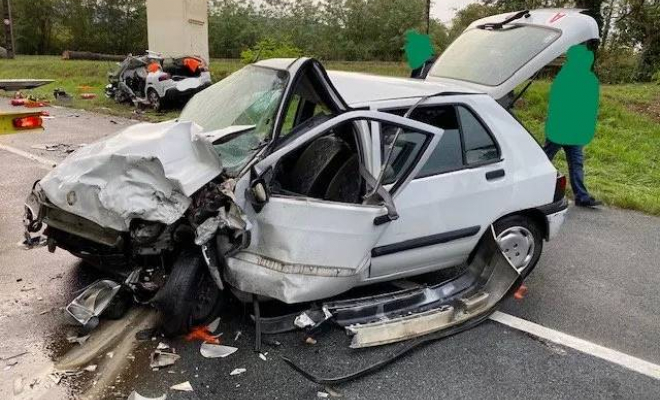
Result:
318,164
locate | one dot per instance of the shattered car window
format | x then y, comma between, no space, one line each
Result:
490,57
249,96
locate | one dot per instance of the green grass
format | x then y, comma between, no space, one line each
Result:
622,163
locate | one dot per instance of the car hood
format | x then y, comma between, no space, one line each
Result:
146,171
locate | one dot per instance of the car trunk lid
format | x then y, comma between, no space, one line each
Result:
497,53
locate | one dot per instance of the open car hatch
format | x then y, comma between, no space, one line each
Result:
497,53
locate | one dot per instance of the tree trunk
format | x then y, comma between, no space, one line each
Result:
88,55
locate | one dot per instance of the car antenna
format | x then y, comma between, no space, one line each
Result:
499,25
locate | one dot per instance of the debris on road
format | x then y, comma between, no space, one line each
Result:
90,368
61,147
93,300
322,395
520,293
137,396
310,340
238,335
202,333
332,392
210,350
213,326
303,321
74,337
263,356
160,359
237,371
183,387
162,346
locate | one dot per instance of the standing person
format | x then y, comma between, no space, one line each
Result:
572,116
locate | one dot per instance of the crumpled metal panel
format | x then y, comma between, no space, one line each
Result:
290,283
146,171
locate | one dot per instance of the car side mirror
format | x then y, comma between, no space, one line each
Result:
258,194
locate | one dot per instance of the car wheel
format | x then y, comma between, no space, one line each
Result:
521,241
154,100
189,298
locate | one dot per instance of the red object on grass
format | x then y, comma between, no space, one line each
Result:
28,122
87,96
202,333
17,102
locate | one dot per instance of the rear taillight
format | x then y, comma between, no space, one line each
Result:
560,187
29,122
163,77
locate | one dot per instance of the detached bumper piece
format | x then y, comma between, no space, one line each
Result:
427,313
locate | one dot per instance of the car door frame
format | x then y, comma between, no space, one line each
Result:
458,243
306,245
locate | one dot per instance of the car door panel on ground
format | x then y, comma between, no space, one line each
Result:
459,192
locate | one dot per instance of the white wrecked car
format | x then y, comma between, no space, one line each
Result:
284,182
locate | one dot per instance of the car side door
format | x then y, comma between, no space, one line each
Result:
461,189
299,227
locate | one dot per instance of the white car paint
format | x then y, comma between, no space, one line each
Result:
146,171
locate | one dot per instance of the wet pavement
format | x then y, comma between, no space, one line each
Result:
597,281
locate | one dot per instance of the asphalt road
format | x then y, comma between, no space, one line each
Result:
597,281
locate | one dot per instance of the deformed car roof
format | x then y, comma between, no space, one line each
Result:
359,89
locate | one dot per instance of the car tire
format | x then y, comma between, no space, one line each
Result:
521,241
189,298
154,100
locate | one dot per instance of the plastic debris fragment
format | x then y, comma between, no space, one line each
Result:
303,321
210,350
213,326
183,387
237,371
161,359
137,396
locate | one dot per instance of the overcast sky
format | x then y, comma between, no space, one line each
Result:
444,10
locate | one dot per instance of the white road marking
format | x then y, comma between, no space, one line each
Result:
45,163
584,346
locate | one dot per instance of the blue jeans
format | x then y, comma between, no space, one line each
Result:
575,160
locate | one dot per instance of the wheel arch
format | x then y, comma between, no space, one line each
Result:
535,215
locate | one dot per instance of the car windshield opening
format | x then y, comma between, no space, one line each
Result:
490,57
248,97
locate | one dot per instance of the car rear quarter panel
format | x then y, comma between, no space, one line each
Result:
533,175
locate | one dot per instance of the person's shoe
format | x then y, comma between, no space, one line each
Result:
589,203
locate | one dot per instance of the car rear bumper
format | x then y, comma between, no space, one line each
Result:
555,213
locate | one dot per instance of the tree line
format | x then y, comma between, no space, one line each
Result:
327,29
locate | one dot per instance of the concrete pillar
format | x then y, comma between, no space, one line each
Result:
178,27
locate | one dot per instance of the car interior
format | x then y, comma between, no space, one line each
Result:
328,167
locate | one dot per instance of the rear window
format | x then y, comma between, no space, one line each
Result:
490,57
